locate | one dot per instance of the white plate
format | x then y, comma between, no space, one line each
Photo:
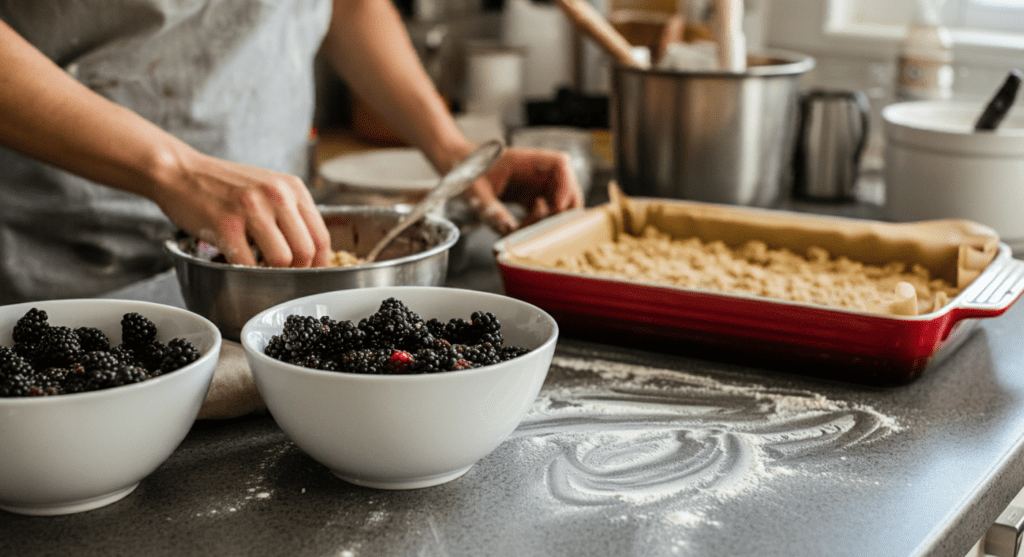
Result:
393,169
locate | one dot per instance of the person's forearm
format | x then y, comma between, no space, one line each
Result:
368,45
48,115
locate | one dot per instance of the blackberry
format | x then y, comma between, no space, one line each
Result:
13,364
483,354
433,360
27,350
392,326
488,327
100,378
149,356
137,330
98,370
455,331
75,378
46,385
29,329
420,337
92,339
28,332
59,346
275,348
301,335
436,327
339,337
369,361
509,352
7,354
311,360
180,353
393,340
482,327
58,374
16,384
99,359
125,355
126,375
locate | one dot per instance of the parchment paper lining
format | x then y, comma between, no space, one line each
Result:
955,250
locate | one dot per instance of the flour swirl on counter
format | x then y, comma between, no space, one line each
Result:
646,435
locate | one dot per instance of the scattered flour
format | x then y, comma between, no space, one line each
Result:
645,435
256,488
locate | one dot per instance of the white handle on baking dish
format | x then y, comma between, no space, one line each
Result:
995,289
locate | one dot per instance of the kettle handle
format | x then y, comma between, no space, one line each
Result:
857,99
864,108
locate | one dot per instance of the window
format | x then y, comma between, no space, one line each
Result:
987,15
987,33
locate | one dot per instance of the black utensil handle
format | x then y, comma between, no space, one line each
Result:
1000,104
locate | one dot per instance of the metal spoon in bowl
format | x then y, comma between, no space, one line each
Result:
456,181
1000,104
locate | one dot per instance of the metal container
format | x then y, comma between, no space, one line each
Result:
831,139
708,136
229,295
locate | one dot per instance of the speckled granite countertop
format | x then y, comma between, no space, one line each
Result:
626,452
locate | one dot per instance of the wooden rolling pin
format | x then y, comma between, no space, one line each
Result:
591,22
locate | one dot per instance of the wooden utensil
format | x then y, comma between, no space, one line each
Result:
728,34
673,32
591,22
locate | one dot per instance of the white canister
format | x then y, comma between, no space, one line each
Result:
544,33
494,81
937,166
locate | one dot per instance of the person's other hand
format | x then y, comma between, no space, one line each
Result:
540,180
227,204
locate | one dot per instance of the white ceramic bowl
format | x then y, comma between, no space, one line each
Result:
402,431
70,453
937,167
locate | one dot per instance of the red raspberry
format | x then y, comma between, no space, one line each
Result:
400,362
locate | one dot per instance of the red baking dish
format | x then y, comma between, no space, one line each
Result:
836,343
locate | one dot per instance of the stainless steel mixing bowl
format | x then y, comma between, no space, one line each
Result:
229,295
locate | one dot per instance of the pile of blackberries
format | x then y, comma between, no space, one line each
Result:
394,340
55,359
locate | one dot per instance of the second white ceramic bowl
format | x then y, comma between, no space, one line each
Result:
937,166
402,431
69,453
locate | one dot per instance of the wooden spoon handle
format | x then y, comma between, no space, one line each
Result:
588,20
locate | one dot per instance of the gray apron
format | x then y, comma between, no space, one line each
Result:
232,78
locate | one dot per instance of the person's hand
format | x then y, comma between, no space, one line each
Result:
228,204
540,180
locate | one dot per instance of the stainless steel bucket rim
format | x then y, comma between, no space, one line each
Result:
790,63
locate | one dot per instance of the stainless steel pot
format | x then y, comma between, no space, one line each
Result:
229,295
708,136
